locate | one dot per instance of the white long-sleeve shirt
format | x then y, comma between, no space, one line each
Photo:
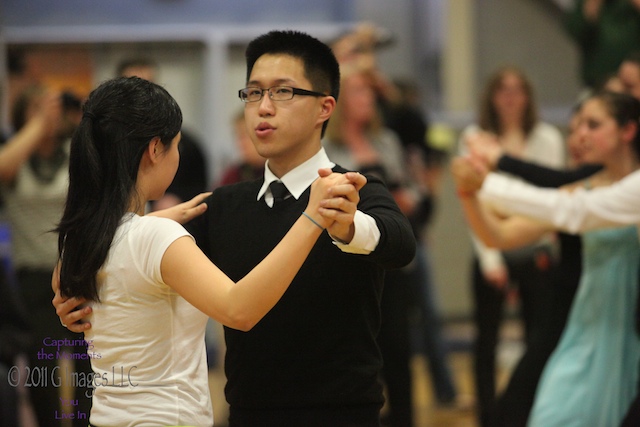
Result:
545,145
580,210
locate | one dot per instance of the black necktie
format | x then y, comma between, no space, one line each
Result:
279,191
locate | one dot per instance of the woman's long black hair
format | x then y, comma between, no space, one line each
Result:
120,118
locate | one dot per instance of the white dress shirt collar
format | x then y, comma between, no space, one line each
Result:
298,179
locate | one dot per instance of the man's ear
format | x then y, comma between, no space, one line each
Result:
327,107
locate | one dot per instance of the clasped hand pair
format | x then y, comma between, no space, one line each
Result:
469,171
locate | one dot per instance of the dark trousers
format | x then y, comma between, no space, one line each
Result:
632,418
35,286
515,403
488,315
427,334
8,399
347,416
394,343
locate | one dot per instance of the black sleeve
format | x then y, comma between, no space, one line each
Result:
543,176
199,226
397,245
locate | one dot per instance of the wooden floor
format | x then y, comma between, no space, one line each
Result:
427,412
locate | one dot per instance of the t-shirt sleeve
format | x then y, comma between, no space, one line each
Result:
155,236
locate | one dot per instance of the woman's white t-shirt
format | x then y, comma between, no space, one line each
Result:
146,342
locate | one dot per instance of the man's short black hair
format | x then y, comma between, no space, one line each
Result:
320,65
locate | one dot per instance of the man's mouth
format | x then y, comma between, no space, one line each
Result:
264,129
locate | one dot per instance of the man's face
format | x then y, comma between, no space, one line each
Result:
629,74
285,132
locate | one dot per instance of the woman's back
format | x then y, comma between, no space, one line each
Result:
146,342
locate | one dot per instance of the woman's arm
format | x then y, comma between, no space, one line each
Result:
21,146
186,211
241,305
543,176
499,232
487,148
580,210
493,230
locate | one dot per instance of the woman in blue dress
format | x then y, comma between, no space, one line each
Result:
592,376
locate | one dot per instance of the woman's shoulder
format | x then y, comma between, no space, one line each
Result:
151,223
149,234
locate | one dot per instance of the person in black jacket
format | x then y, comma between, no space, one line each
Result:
313,359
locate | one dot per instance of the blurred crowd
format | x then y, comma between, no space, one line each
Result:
381,127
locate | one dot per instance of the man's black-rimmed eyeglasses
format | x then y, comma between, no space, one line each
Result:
276,93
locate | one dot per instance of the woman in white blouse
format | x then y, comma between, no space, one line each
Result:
508,113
